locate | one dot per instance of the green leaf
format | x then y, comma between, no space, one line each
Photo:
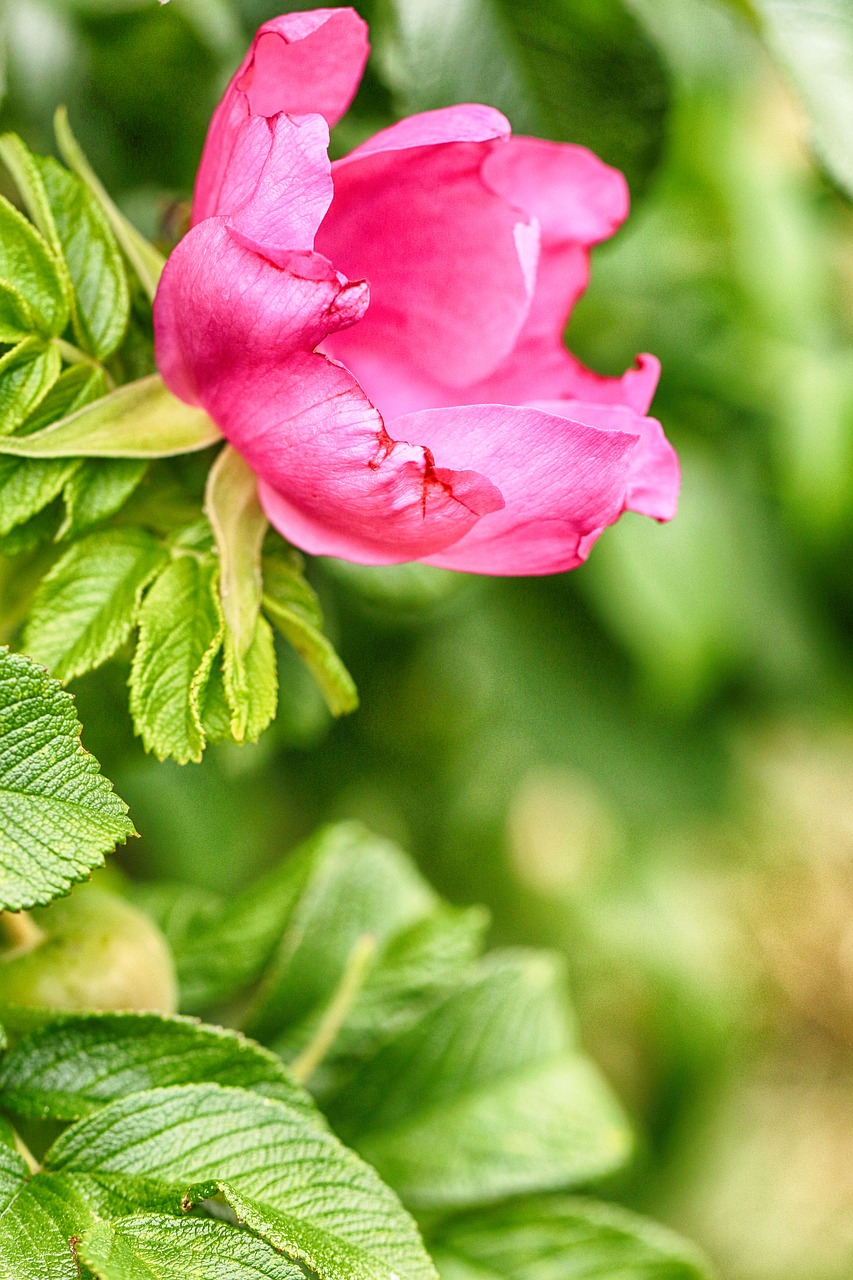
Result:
813,39
157,1247
27,263
13,1174
97,490
26,488
142,256
37,1227
76,386
94,262
292,606
74,1065
562,1236
580,72
180,633
358,885
485,1097
239,526
142,419
27,373
288,1179
16,319
58,814
87,605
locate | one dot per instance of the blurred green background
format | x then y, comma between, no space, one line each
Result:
648,762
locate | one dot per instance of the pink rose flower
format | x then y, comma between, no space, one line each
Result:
381,338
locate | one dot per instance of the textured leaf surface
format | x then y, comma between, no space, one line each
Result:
576,72
27,373
58,814
180,632
814,41
94,263
485,1096
559,1237
157,1247
26,488
27,263
73,1066
37,1227
321,1203
87,605
99,488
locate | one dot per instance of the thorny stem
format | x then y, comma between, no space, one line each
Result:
20,931
306,1063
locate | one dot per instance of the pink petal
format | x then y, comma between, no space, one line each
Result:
278,185
559,479
470,122
450,262
654,477
299,63
236,334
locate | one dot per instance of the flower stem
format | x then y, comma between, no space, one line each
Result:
73,355
306,1063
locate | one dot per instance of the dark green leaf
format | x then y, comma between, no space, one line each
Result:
26,488
58,814
88,604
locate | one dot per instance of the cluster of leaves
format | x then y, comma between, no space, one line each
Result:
113,532
151,1146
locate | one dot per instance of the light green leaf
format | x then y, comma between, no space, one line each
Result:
291,605
37,1227
562,1236
74,1065
288,1179
94,262
580,72
180,633
142,256
97,490
13,1174
813,39
139,420
16,319
87,605
27,373
26,488
27,263
251,684
58,814
485,1097
239,526
157,1247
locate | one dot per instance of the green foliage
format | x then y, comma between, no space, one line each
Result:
538,1239
580,72
58,814
190,1150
